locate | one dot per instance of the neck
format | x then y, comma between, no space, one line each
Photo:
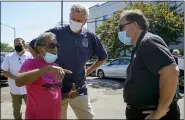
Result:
21,53
136,38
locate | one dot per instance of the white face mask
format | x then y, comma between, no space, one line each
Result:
75,26
50,58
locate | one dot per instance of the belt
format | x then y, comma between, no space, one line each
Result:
141,107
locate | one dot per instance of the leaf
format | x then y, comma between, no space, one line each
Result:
164,20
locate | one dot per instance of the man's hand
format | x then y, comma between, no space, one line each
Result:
59,71
65,96
155,115
73,93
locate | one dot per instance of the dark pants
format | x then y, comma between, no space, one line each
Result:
135,113
16,104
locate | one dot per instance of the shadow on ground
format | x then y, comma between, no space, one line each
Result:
113,84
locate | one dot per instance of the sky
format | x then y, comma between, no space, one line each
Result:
30,19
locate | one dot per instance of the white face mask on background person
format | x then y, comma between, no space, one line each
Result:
75,26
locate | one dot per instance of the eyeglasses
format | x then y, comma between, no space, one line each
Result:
121,27
51,45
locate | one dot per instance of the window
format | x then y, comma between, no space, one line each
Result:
115,62
124,61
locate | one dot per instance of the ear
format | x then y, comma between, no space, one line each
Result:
39,49
135,24
85,21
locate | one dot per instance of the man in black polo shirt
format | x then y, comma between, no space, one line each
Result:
152,75
76,46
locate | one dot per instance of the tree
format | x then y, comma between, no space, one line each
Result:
6,48
164,21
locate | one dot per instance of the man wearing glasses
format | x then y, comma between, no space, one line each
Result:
10,66
152,75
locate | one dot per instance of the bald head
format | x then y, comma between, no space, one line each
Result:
134,16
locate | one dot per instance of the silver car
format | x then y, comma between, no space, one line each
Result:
114,69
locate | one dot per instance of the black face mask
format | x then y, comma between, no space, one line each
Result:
18,48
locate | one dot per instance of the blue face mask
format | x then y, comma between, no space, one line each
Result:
123,38
50,58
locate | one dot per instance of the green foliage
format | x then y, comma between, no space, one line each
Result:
164,20
6,48
181,52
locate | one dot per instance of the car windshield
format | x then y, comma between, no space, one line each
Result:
108,61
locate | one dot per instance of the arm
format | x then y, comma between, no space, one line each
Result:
31,46
95,66
159,60
9,75
6,67
32,50
24,78
29,73
99,51
168,84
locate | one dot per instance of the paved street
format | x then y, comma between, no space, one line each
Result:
105,97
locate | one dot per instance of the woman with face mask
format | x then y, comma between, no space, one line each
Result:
43,80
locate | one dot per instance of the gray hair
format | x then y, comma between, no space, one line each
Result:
175,51
43,37
80,8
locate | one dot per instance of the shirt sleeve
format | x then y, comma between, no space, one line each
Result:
53,30
97,48
5,65
155,55
28,65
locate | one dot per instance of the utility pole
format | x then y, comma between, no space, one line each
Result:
11,28
61,13
14,33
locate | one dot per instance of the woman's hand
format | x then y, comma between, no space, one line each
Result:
60,72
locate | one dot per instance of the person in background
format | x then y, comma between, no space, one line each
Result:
43,80
152,75
175,54
10,67
77,44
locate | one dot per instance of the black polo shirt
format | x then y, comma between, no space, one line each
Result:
149,56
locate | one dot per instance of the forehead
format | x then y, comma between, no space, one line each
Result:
77,15
18,41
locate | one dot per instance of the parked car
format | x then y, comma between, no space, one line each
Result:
181,74
89,63
2,77
114,69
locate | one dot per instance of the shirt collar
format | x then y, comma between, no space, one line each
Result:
21,55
